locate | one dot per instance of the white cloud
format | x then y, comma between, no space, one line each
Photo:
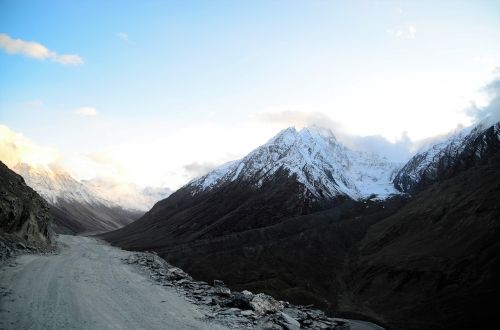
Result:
36,50
15,148
490,111
197,169
123,36
289,117
406,33
86,111
70,59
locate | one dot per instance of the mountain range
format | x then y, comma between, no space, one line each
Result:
323,166
88,206
309,220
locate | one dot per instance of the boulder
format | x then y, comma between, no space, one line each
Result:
175,273
264,304
221,289
247,293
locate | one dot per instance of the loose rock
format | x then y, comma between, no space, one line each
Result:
264,304
233,309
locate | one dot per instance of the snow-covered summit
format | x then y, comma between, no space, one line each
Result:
316,159
57,185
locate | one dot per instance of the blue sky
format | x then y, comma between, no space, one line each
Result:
171,83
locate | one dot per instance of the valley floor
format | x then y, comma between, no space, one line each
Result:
87,286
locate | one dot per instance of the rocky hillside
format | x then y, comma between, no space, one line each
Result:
23,213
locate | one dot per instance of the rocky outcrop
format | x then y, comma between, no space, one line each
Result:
25,222
23,213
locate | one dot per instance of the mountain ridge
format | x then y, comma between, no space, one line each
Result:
313,155
74,207
461,150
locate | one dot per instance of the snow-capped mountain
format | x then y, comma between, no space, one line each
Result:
57,185
460,150
88,206
315,158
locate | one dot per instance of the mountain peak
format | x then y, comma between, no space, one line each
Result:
315,130
315,159
307,137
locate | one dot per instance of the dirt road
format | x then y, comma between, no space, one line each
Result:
87,286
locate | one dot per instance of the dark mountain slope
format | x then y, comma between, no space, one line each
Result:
234,207
299,259
23,213
435,263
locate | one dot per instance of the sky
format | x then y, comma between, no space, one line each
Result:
159,92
